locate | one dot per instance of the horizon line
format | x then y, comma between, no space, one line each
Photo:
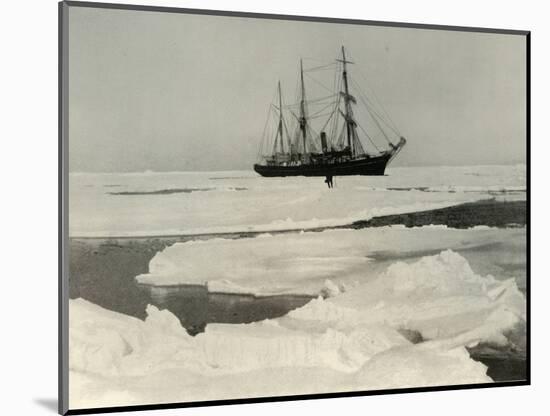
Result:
251,170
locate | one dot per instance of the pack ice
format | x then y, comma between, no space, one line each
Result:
152,204
318,263
358,339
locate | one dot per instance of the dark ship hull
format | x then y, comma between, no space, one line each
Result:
371,166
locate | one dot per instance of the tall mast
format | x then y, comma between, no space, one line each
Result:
350,124
281,118
303,121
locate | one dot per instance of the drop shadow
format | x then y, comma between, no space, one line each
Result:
49,404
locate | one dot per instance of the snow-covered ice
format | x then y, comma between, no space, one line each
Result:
352,341
373,287
310,262
212,202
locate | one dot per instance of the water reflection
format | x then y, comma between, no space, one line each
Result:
103,272
196,307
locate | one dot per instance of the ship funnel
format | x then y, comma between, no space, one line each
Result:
324,142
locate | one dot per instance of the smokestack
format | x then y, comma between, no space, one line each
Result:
324,141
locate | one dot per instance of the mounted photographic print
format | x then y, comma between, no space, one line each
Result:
264,207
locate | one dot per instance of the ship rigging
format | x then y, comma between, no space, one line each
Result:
336,148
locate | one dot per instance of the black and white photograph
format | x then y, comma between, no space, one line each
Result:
259,207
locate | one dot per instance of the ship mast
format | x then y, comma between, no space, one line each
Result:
281,119
350,123
303,121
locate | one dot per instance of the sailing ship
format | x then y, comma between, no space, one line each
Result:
339,152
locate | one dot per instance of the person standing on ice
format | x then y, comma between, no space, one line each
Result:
328,181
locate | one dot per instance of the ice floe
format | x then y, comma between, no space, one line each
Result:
301,263
170,203
353,340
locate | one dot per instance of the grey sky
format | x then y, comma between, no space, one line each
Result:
171,92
